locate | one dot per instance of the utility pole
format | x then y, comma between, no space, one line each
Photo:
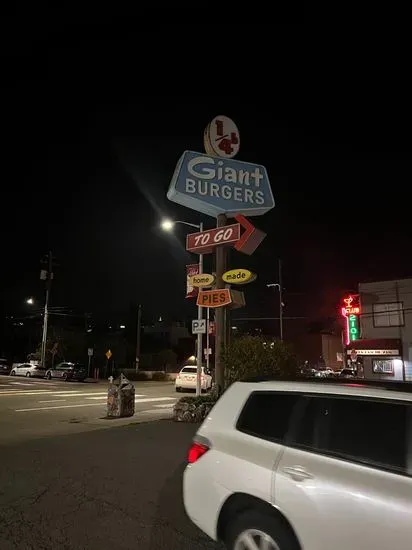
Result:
138,335
47,275
279,287
200,335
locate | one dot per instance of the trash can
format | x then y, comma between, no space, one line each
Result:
120,398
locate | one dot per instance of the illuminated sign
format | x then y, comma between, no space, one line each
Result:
214,298
375,352
351,311
238,276
199,281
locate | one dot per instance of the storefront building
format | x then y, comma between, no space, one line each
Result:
377,359
378,329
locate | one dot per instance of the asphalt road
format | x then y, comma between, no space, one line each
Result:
32,408
106,489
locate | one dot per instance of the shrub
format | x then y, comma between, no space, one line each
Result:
137,376
256,356
193,408
159,376
198,399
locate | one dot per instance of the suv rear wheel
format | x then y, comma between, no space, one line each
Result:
254,530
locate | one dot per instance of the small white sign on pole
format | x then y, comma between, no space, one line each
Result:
199,326
90,352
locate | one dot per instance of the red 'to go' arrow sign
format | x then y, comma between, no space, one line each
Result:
251,238
204,242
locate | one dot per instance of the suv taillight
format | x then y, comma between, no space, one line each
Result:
196,451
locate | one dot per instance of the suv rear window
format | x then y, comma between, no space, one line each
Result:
267,414
191,370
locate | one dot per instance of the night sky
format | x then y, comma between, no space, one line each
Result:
93,123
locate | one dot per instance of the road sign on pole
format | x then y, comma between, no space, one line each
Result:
204,242
213,186
199,326
251,238
214,298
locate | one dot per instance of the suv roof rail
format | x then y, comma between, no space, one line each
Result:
395,385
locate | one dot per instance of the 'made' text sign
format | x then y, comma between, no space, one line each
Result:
213,185
239,276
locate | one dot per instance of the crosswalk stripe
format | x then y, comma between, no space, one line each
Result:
80,394
137,401
105,396
54,401
35,392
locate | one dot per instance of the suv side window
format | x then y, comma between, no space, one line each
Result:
305,430
267,414
367,431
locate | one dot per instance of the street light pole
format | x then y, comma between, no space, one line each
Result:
281,301
279,287
167,225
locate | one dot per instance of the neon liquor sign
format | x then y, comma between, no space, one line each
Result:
351,311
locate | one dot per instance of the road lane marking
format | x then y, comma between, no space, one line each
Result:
54,401
79,394
36,392
21,383
137,395
137,401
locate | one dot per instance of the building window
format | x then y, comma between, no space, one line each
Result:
383,366
388,315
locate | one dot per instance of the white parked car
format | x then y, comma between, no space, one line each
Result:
186,379
27,369
304,466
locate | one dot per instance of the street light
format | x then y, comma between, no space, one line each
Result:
30,301
168,225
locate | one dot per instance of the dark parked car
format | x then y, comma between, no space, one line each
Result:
5,366
67,371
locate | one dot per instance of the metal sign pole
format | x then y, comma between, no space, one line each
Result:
220,316
200,335
207,340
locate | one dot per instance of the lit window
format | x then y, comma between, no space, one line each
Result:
383,366
388,315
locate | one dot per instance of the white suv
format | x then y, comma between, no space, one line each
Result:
304,466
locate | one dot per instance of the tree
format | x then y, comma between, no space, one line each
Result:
257,356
